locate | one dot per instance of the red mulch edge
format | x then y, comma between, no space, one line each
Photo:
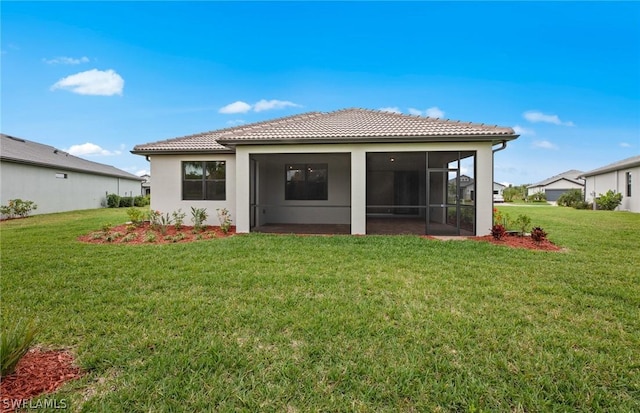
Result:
515,241
38,372
140,232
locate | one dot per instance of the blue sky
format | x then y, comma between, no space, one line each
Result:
98,78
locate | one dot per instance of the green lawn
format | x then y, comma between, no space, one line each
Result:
344,323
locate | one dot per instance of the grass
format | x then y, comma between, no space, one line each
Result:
284,323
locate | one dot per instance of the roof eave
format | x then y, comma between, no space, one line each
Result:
147,152
67,168
494,139
605,170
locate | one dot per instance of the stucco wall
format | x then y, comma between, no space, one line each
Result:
616,181
78,191
166,195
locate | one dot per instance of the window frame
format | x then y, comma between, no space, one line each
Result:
308,189
628,178
205,179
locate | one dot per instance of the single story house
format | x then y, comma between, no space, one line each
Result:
498,188
558,184
353,171
622,177
55,180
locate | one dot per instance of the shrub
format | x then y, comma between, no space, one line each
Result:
523,222
224,216
150,236
18,208
583,205
498,231
178,219
141,201
537,197
15,342
538,234
154,219
113,201
198,217
570,198
609,201
130,237
165,221
126,201
136,216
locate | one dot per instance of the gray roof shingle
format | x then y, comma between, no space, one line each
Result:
571,175
625,163
347,125
27,152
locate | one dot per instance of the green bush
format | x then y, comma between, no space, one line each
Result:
522,222
18,208
537,197
15,341
571,198
113,201
609,201
136,216
126,201
141,201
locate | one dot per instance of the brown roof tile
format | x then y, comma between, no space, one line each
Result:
347,125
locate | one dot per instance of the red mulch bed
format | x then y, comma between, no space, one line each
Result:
38,372
515,241
126,234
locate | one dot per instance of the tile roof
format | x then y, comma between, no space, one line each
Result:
27,152
347,125
625,163
571,175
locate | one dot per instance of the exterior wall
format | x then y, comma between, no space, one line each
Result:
78,191
272,206
484,175
616,181
167,190
498,187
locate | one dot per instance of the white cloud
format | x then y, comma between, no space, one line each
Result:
523,131
544,145
273,104
63,60
90,149
235,122
235,107
415,112
434,112
536,116
392,109
92,82
262,105
625,144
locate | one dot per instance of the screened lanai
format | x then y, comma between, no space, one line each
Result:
420,193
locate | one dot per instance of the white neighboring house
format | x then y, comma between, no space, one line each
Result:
498,189
558,184
622,177
354,169
55,180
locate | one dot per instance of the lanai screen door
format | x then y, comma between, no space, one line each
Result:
420,193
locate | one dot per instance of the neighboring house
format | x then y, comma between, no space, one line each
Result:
557,185
354,170
622,177
55,180
146,184
466,187
498,188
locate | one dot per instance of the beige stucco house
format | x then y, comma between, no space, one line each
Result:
355,171
622,177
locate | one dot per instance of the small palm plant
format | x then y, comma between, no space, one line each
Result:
15,341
